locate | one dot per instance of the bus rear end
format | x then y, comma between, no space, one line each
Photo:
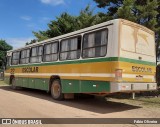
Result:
137,60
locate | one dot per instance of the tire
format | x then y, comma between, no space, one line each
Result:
13,84
56,90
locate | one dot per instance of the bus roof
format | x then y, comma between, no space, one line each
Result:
111,22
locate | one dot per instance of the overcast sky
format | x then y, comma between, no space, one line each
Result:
18,18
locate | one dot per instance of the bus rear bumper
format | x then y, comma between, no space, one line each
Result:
126,87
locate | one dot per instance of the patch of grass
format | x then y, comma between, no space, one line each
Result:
149,99
139,101
2,83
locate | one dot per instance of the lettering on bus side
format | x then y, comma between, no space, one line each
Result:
12,70
30,70
141,69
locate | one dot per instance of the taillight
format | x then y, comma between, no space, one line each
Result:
118,74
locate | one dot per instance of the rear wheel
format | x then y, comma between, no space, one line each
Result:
13,85
56,90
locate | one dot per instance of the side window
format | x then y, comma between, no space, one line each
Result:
15,58
70,48
50,52
8,60
95,44
24,57
36,54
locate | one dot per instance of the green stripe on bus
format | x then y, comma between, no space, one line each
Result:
90,61
136,61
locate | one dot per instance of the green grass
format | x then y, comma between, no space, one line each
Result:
141,101
155,100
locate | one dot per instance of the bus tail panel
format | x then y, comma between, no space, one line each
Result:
136,53
126,87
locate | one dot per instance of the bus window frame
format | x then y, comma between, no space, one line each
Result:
8,62
36,53
51,53
15,59
25,57
68,38
103,29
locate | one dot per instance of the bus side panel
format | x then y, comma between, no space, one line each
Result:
19,81
42,84
84,86
31,83
70,86
25,82
37,83
7,77
94,86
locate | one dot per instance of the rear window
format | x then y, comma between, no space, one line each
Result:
145,43
137,40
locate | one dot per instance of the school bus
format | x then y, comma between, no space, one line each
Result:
114,56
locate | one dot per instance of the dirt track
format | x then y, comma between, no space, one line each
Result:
26,103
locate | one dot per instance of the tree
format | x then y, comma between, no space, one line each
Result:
111,6
62,25
126,11
86,18
67,23
3,48
144,12
31,42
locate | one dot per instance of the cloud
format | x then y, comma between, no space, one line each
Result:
27,18
53,2
18,42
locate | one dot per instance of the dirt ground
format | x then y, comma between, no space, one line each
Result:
27,103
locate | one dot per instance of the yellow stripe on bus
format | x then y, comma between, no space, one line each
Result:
92,68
